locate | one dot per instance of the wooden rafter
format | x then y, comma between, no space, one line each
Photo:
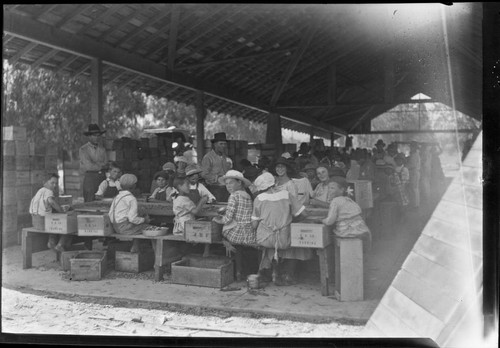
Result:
66,63
82,69
116,76
207,29
44,58
235,59
239,21
22,52
100,18
122,23
172,36
147,23
45,9
127,81
306,40
71,15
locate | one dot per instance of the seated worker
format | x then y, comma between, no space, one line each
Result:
44,202
163,192
123,212
109,188
196,189
322,196
345,214
171,169
184,208
271,217
237,221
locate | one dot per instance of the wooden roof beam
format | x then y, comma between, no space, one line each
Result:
306,40
30,30
172,36
100,18
72,14
235,59
22,52
147,23
45,9
128,81
82,69
116,76
122,23
66,63
44,58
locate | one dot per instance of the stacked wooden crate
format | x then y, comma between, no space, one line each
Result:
73,180
25,166
290,148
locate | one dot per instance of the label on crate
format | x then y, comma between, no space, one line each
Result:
309,235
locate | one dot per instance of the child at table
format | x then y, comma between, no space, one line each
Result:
345,214
183,207
123,212
110,187
163,192
44,202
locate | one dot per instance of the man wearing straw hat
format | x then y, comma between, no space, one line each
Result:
92,161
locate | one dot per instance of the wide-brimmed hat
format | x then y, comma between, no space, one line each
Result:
251,173
380,142
219,137
284,161
93,129
286,155
192,169
169,166
264,181
234,174
339,180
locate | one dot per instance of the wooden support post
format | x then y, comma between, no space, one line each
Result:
159,266
96,101
332,138
200,125
273,133
311,136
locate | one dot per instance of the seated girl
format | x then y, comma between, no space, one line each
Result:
345,214
271,217
196,189
184,208
109,188
322,195
163,192
44,202
237,221
123,212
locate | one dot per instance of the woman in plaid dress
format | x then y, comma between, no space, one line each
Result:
237,228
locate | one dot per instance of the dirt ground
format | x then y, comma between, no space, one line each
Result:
35,313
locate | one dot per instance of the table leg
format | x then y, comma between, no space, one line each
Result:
27,249
323,270
159,267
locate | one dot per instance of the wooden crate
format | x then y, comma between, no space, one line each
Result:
309,235
13,133
9,148
202,231
22,148
23,206
94,225
348,269
23,177
9,179
66,257
9,163
61,223
134,262
51,162
23,163
88,265
37,162
361,192
24,192
212,271
64,199
37,177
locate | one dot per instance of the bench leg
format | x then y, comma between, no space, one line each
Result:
326,268
159,267
27,249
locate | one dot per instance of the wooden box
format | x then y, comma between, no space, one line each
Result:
9,179
38,222
212,271
22,148
361,192
8,148
348,269
309,235
134,262
9,163
64,199
23,178
61,223
51,163
66,257
13,133
23,163
88,265
94,225
202,231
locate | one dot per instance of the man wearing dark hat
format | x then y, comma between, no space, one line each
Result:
215,163
92,161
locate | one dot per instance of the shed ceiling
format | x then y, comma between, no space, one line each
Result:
330,67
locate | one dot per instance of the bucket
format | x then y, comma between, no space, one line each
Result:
253,281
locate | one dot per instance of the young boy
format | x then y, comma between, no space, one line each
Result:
184,208
110,187
163,192
345,214
196,189
44,202
123,212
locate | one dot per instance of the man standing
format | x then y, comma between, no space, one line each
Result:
215,163
92,160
